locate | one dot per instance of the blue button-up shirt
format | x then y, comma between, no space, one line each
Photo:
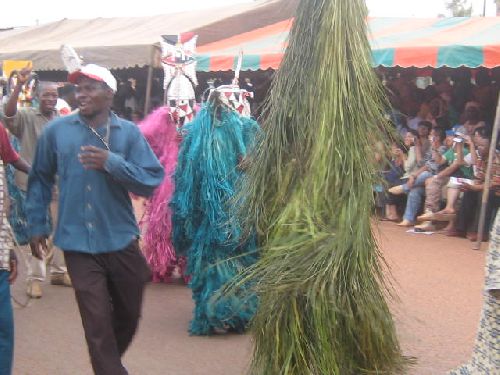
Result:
95,212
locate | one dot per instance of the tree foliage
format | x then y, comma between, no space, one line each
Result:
459,8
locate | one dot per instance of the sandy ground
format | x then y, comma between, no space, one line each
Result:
437,279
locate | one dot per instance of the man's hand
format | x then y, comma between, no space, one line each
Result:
468,187
467,139
38,245
465,187
21,165
13,271
410,182
93,157
24,75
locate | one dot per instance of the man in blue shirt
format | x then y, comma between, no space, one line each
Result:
99,158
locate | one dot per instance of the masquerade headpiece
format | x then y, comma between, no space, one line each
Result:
71,60
179,65
232,95
74,65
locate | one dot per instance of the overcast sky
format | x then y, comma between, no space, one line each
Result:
42,11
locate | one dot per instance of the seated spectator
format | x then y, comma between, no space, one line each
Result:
412,159
415,186
443,123
394,114
471,120
468,215
422,143
452,114
419,116
485,94
438,113
392,176
441,82
454,167
394,203
448,214
462,88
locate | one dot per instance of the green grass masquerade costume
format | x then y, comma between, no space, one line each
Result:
309,192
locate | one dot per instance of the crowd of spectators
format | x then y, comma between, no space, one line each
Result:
435,172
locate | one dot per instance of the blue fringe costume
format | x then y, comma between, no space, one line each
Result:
17,214
205,179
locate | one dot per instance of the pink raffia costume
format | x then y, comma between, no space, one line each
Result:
160,131
163,129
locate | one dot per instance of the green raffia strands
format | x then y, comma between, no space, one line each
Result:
309,190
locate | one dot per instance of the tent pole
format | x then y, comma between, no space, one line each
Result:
147,101
487,180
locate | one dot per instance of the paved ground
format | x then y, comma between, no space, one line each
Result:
437,279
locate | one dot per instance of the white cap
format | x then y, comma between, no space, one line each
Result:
96,72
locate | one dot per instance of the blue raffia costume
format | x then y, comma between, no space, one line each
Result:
17,215
207,171
17,212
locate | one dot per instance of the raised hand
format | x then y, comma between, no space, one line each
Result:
24,75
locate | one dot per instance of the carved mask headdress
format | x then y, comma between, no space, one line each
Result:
179,64
71,60
232,95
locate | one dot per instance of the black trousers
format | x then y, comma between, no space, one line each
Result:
109,289
468,215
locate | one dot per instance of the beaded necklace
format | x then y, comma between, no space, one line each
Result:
105,139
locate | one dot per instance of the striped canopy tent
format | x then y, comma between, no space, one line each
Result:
404,42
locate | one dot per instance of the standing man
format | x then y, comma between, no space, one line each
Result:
27,125
99,158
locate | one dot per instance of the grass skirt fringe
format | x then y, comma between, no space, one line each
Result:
17,214
206,175
322,307
160,131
